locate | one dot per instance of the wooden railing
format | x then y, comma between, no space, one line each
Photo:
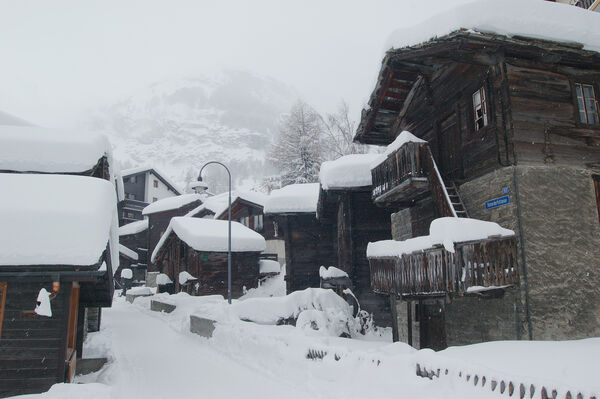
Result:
408,161
481,264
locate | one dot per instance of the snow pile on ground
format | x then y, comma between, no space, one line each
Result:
534,19
348,171
295,198
69,225
36,149
443,231
271,286
212,236
133,228
143,290
269,266
167,204
331,272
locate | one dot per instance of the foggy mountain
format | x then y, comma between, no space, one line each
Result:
178,125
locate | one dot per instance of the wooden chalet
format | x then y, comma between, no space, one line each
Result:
200,248
248,209
308,242
159,216
134,238
345,205
507,130
63,243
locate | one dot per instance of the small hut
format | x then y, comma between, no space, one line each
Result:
200,247
56,253
308,241
159,215
133,238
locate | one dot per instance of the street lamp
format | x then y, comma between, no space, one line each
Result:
228,222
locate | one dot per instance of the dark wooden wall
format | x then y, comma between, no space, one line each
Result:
32,350
157,225
210,268
308,245
240,209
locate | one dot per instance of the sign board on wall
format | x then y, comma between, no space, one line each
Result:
497,202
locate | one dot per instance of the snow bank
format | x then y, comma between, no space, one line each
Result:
36,149
295,198
55,219
144,290
443,231
184,277
212,235
534,19
348,171
170,203
128,252
133,228
331,272
269,266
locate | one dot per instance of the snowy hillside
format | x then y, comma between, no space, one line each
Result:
177,125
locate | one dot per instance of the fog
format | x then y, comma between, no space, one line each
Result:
62,58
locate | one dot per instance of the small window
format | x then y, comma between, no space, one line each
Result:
258,222
130,215
154,199
130,196
480,113
132,179
156,183
275,229
587,104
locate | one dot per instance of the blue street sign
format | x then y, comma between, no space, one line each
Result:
496,202
505,190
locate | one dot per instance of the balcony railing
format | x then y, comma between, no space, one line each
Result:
474,267
403,174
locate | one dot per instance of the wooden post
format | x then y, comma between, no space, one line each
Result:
395,332
409,322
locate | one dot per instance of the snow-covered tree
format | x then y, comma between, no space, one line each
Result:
298,150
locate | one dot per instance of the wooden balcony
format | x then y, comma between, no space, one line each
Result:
403,176
474,267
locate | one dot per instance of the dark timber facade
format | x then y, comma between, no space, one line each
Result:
512,126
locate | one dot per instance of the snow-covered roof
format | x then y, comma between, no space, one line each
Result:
128,252
56,219
212,235
443,231
167,204
36,149
348,171
269,266
250,196
156,172
534,19
215,204
295,198
133,228
331,272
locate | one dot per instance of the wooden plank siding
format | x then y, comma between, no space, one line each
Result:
32,349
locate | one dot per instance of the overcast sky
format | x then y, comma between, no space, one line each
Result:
60,58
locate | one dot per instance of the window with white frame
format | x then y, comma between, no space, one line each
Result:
258,222
480,113
587,104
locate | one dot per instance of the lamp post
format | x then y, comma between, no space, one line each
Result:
228,226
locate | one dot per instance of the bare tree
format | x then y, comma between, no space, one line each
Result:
298,150
339,133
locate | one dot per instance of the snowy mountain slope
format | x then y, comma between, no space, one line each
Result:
178,125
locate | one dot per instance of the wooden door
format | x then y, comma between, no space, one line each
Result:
450,148
432,325
71,355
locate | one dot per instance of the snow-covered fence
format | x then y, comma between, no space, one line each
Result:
515,387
